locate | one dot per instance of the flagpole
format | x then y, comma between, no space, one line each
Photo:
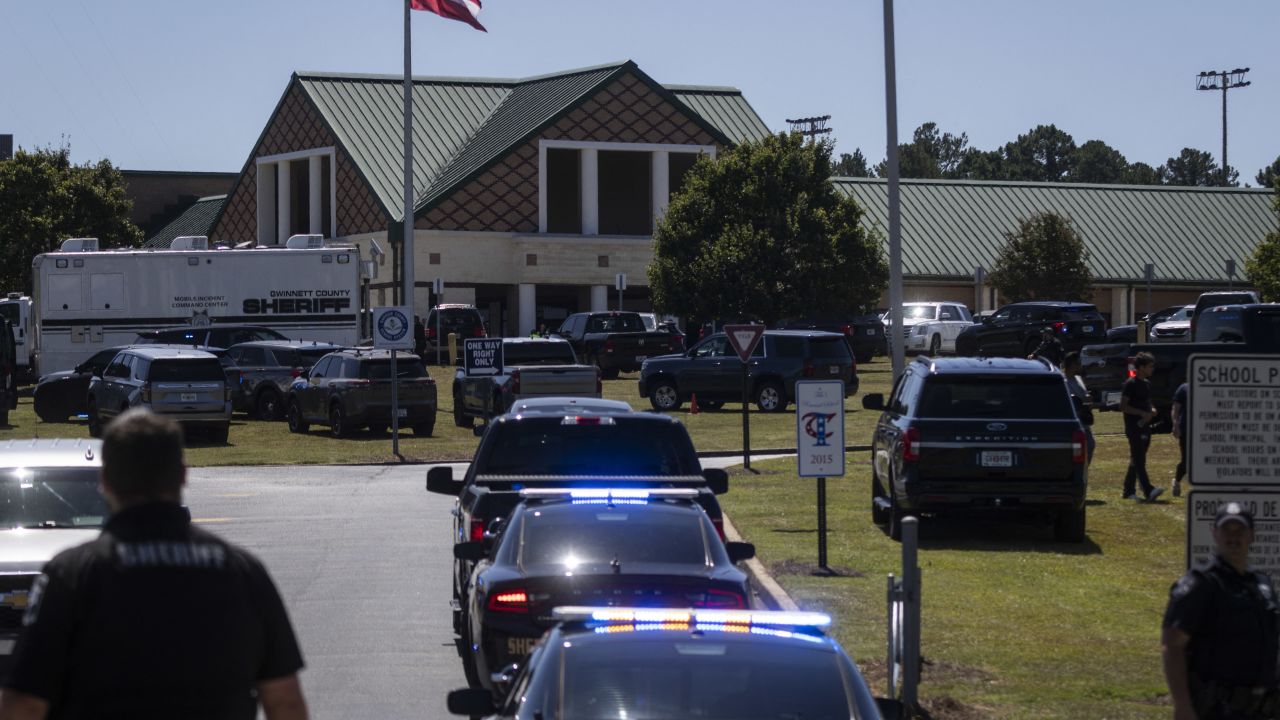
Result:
406,245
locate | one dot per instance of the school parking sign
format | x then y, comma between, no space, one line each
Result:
820,428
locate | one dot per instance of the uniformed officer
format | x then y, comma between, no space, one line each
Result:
1222,632
156,617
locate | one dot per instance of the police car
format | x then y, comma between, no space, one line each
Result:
608,546
49,501
610,662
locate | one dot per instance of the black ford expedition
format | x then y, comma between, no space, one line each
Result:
1015,330
963,434
615,341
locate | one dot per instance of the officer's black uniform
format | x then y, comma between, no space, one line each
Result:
1050,348
155,618
1234,623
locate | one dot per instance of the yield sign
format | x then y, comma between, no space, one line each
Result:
744,338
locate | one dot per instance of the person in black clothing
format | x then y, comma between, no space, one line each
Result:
1135,404
156,618
1222,631
1179,412
1050,348
419,337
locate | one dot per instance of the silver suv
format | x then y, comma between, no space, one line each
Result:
49,501
186,385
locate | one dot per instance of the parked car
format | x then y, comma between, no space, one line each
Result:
268,369
531,367
1219,298
463,321
59,395
665,324
711,370
932,327
1161,315
8,371
568,546
51,502
1174,328
185,384
615,341
959,435
1122,333
220,336
351,389
864,333
1015,330
620,662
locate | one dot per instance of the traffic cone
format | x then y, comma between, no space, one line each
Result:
693,404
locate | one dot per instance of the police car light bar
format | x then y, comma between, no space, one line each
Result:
771,618
609,493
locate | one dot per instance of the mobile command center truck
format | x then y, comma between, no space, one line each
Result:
85,299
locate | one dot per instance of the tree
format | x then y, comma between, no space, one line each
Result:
854,165
1140,173
982,165
931,154
760,233
1097,162
1195,168
1268,175
45,199
1263,266
1044,259
1042,155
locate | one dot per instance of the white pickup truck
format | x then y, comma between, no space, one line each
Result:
531,367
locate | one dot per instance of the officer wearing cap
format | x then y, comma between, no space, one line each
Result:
1222,632
1050,347
156,618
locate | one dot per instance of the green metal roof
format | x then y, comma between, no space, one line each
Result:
949,227
195,220
462,126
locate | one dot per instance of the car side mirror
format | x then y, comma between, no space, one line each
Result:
873,401
440,480
475,702
473,550
739,551
717,480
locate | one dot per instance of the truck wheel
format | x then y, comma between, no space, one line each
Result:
663,396
424,429
610,374
770,398
935,346
296,422
50,410
338,422
269,405
461,419
95,422
1069,525
4,417
865,357
220,434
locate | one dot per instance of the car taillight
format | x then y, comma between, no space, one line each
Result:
431,333
719,524
1133,372
477,529
145,393
1079,448
718,599
911,445
295,373
808,368
515,382
846,329
478,332
509,601
1059,327
608,346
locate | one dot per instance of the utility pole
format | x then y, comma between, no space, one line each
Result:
1223,80
810,127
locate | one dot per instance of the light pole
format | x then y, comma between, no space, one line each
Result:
1223,80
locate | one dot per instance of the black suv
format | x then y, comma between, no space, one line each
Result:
864,333
711,370
208,335
267,371
350,389
1015,330
8,371
462,320
962,434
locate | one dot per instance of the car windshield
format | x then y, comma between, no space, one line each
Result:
381,369
833,349
919,312
593,534
701,676
1041,397
43,497
543,446
191,370
538,353
1183,315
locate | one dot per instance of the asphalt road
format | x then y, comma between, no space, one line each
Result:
362,557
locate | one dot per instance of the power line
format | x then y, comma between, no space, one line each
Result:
1223,80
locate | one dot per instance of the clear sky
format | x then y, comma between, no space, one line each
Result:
186,85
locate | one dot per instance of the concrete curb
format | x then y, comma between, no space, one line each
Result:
768,589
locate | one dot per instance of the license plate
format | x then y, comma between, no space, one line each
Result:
1088,328
871,331
402,412
1111,399
997,458
188,397
835,369
520,645
641,358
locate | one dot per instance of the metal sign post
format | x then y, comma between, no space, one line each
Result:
820,442
620,282
392,330
744,339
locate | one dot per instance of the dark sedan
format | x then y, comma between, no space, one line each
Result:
627,547
60,395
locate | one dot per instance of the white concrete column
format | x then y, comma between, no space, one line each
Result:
661,183
283,210
1120,310
599,298
590,192
528,308
315,183
266,204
